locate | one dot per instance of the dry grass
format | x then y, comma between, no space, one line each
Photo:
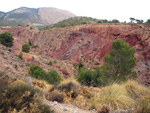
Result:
41,84
22,99
114,96
66,81
55,96
123,96
141,95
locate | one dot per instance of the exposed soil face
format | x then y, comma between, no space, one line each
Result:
89,43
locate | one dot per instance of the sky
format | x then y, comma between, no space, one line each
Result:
100,9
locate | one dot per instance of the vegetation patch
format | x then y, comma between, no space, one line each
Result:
22,98
51,77
20,55
50,63
117,67
6,39
26,48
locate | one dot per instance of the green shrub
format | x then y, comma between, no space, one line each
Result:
30,44
37,72
22,98
20,55
121,61
99,79
6,39
86,77
50,63
81,65
26,48
75,65
53,77
92,78
35,46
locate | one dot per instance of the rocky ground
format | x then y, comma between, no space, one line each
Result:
64,108
11,67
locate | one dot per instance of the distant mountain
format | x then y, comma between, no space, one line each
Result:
74,21
33,16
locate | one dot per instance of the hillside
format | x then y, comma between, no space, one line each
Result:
12,68
73,22
89,43
65,47
33,16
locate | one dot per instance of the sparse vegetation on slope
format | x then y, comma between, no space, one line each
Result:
80,21
73,21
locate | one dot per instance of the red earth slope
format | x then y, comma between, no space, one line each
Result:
89,43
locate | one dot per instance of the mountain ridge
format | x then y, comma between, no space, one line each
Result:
33,16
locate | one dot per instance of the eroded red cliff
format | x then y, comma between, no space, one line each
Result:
89,43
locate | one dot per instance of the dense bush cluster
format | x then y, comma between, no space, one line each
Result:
6,39
22,98
92,78
51,77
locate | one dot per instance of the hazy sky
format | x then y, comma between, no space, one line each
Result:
101,9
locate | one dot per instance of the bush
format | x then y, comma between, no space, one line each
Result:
92,78
20,55
37,72
22,98
53,77
86,77
55,96
71,88
6,39
26,48
30,44
81,65
50,63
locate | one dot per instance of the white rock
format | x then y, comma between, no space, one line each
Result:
65,109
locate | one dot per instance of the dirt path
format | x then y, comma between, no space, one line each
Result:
64,108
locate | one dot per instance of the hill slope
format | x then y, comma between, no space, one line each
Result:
37,17
89,43
73,21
